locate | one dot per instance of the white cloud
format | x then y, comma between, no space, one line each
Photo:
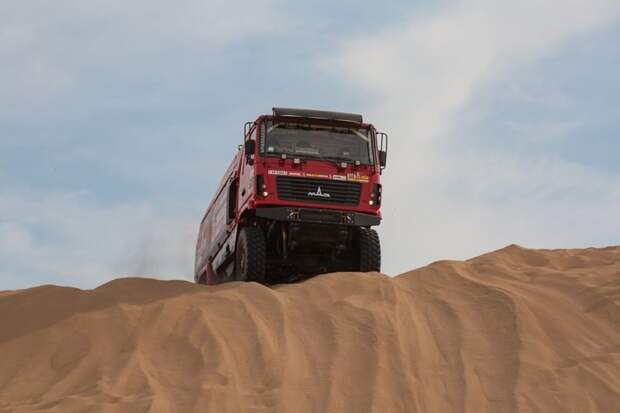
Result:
430,67
66,238
48,49
441,203
14,239
62,56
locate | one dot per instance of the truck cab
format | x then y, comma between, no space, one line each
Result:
300,198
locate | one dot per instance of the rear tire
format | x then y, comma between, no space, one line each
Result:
370,250
250,256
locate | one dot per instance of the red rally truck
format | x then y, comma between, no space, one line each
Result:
299,199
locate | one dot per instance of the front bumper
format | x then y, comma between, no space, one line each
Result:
319,216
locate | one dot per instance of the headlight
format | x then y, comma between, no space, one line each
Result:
376,195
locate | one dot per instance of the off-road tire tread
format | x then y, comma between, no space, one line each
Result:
370,250
256,254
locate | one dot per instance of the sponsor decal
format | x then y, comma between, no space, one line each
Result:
319,193
354,177
357,177
311,175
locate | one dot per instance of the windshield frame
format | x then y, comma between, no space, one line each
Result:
368,137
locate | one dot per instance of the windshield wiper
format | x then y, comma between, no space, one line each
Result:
337,159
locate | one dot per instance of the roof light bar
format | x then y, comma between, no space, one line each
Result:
318,114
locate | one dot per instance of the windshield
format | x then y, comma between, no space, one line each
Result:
313,141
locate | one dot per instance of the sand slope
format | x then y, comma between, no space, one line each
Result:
517,329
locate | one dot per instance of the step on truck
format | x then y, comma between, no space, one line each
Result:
300,198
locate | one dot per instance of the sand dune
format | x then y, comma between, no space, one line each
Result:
516,329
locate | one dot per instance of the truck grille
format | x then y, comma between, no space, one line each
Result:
318,190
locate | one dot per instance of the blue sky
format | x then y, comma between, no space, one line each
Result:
117,120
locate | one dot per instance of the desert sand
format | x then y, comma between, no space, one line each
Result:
513,330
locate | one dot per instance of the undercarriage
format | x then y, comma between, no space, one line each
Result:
298,250
301,242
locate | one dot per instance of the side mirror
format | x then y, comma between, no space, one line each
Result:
250,148
382,158
382,140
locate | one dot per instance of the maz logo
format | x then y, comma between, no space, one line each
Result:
319,193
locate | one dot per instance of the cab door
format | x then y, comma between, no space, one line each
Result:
247,174
232,202
227,224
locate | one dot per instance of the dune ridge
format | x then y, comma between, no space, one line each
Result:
513,330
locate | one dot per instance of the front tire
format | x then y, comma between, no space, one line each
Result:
250,256
370,250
